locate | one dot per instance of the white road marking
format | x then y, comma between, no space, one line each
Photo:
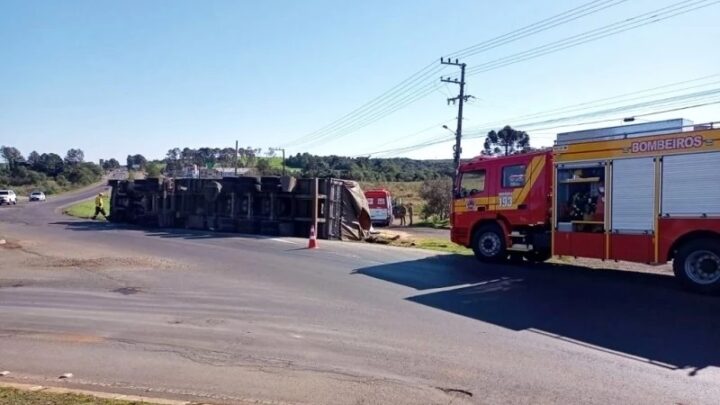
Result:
284,241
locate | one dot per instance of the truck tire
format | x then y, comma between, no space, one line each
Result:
697,265
538,256
488,244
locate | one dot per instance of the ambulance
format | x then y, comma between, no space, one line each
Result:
381,208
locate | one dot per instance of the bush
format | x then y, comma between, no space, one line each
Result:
153,170
438,196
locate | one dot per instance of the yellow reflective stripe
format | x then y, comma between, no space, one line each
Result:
532,173
535,169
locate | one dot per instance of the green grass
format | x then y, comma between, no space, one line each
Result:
86,209
276,162
433,223
427,243
12,396
442,245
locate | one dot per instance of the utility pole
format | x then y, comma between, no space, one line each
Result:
283,156
460,99
236,157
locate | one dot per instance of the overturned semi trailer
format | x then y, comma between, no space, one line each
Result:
273,206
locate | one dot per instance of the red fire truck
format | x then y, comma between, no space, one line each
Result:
646,193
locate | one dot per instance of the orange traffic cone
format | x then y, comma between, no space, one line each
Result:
312,243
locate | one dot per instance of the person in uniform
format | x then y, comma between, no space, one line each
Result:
99,206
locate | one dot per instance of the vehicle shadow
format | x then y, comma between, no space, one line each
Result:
637,315
90,225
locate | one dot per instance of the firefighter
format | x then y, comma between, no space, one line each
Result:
402,212
99,206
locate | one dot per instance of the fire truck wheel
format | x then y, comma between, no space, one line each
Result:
489,244
538,256
697,265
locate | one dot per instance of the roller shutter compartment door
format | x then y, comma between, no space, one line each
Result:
691,185
633,195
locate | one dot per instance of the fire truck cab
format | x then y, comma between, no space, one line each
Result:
645,193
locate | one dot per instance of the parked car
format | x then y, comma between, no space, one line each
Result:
8,197
37,196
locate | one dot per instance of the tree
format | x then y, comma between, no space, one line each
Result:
263,166
33,159
110,164
507,141
136,162
50,164
153,170
12,156
74,156
438,196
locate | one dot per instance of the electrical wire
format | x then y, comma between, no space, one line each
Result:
411,83
604,101
710,97
663,13
540,26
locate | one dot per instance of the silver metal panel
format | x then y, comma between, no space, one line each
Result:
691,185
581,165
633,195
625,131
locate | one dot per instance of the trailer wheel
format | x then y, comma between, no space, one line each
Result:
489,244
697,265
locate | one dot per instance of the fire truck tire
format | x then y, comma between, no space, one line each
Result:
489,244
538,256
697,265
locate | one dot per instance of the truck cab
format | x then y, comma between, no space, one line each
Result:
501,206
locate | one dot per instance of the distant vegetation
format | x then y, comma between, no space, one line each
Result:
47,172
371,170
305,164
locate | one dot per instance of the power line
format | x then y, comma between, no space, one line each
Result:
431,70
622,98
423,74
638,21
362,122
652,103
604,100
540,26
711,97
412,135
392,101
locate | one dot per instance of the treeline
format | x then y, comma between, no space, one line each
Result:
47,171
177,158
304,164
368,169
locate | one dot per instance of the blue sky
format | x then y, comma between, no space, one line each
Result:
120,77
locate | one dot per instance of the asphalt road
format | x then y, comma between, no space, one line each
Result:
230,319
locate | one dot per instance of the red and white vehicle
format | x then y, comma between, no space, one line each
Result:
381,208
646,193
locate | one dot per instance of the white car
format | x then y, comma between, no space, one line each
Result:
37,196
8,197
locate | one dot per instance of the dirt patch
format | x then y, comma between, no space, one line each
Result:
127,290
100,262
10,245
12,284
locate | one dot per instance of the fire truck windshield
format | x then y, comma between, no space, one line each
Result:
472,183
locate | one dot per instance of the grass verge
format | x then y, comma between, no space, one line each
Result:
437,244
86,209
12,396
